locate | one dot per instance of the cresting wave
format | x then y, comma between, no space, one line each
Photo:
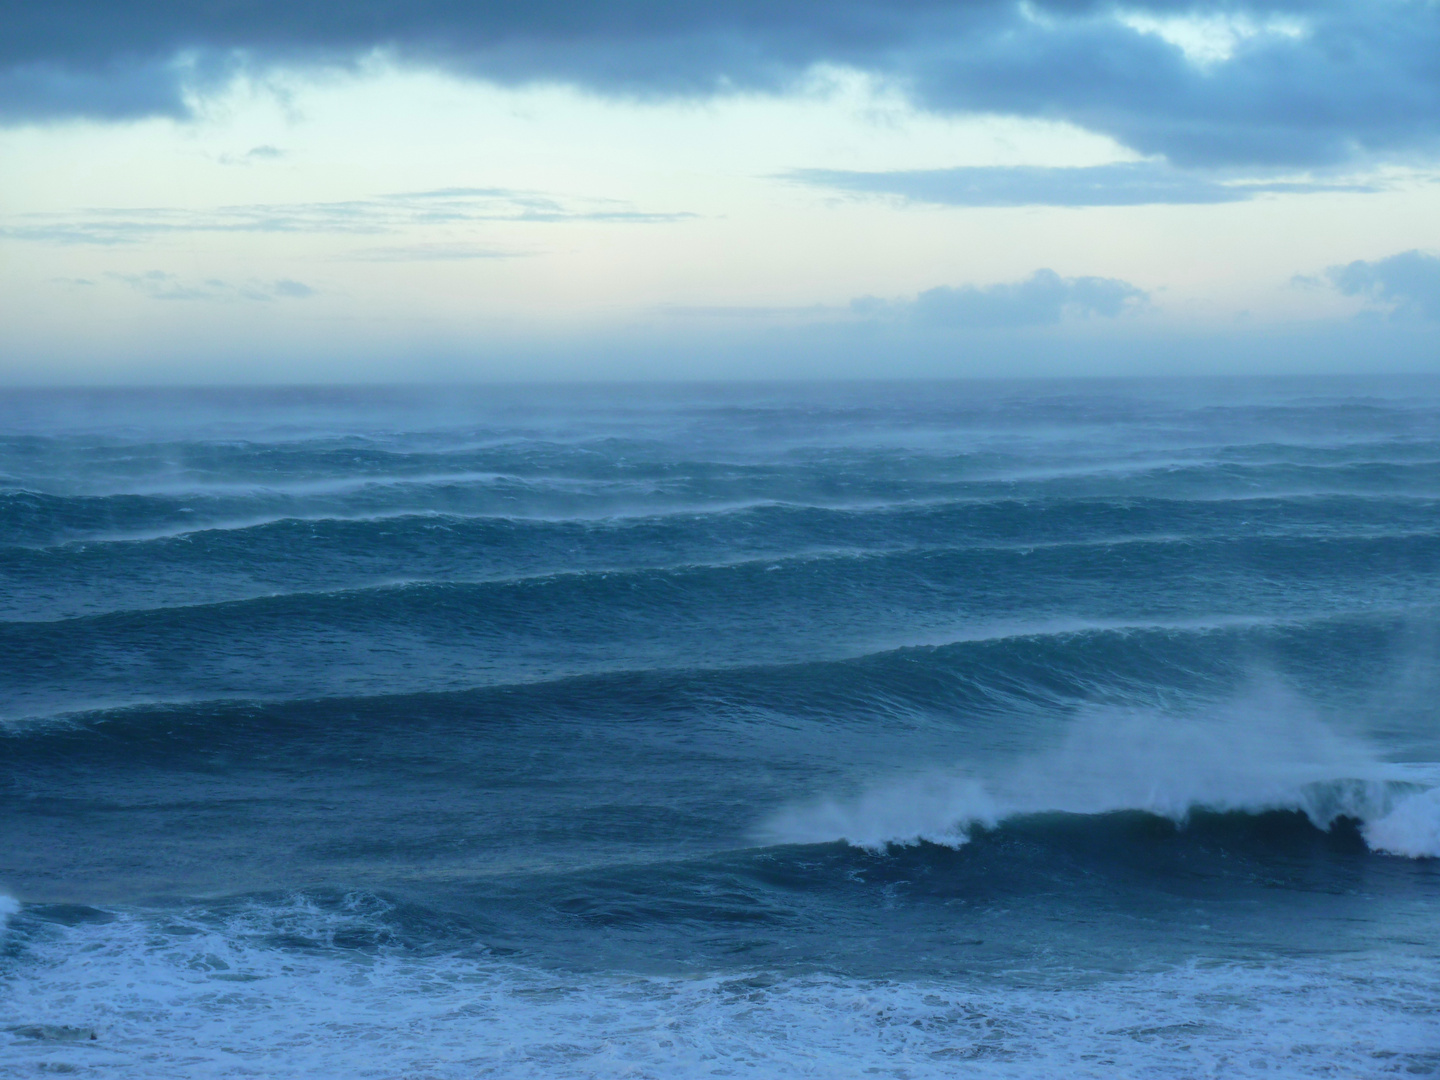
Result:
1259,755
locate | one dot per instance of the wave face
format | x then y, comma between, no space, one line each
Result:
1009,729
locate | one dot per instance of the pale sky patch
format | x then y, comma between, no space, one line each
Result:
422,211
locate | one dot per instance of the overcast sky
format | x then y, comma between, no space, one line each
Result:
394,189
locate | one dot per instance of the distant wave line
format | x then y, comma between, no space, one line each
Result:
663,470
702,510
687,569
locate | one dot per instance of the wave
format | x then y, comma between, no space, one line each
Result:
597,517
1255,756
665,486
338,485
31,520
988,666
647,570
967,574
921,508
454,637
580,579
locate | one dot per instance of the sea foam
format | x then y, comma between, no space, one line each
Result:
182,997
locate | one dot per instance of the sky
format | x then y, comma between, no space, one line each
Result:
384,190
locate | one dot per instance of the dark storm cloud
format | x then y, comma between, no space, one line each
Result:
1408,282
1347,78
1140,183
1043,299
112,90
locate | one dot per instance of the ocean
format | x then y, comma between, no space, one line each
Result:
956,729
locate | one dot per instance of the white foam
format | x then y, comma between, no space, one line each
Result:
187,998
1412,828
8,906
1265,752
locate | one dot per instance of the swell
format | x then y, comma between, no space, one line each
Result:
508,554
452,634
1071,538
41,517
1020,676
997,578
317,555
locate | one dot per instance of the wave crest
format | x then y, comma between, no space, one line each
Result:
8,906
1258,755
1412,828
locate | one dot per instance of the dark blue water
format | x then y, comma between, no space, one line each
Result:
996,730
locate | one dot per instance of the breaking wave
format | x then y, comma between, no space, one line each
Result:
1259,755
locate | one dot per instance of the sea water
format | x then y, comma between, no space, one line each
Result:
875,730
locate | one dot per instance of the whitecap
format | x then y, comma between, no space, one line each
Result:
1261,753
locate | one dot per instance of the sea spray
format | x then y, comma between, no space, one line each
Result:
1411,827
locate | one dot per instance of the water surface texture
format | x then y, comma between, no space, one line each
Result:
929,730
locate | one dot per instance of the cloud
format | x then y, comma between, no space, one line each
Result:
1042,299
432,253
1409,283
294,289
1269,82
98,88
377,216
744,311
1138,183
252,156
159,285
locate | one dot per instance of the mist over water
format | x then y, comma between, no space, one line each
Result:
1019,730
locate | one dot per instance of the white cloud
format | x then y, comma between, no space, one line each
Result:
1210,39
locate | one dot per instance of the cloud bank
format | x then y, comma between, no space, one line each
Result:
1043,299
381,215
1277,83
160,285
1138,183
1409,283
